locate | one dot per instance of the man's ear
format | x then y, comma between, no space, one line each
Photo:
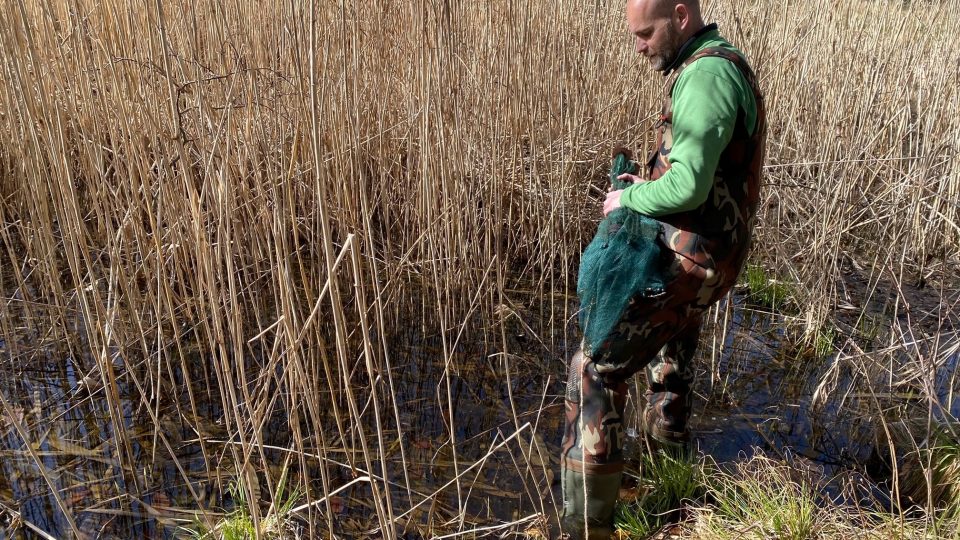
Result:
681,15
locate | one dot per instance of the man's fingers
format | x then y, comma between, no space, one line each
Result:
632,178
612,202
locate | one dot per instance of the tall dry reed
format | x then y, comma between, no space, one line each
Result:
280,186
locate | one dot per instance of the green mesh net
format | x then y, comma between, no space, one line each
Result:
623,261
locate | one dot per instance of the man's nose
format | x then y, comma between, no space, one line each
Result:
641,46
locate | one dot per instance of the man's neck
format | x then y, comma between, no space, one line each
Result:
693,30
685,48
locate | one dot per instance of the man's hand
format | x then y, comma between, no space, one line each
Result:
613,197
612,202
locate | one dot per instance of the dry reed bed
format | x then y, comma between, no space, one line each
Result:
202,168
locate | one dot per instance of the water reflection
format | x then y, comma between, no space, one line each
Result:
753,396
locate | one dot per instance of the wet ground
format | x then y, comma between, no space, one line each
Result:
64,470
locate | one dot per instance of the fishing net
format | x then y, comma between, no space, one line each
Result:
623,261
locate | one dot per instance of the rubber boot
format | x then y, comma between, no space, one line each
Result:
588,504
660,440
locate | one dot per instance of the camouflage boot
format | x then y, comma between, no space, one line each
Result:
591,459
669,395
663,441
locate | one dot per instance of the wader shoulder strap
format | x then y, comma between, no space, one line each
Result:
719,52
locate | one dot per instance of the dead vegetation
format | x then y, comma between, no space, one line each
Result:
278,188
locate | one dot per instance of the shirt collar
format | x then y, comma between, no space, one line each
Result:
688,47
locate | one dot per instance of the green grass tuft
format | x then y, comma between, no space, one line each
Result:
238,524
930,476
760,499
765,290
665,483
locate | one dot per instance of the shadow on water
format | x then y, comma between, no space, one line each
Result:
57,435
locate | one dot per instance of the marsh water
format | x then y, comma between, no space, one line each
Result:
755,394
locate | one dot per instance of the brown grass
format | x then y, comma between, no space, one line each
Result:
283,185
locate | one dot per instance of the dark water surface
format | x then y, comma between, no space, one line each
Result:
56,436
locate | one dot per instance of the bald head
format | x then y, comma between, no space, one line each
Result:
661,27
663,8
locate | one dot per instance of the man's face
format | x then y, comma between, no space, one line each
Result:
657,34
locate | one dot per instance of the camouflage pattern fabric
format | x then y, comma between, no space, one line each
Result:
661,335
669,394
710,245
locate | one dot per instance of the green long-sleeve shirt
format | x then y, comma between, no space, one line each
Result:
707,98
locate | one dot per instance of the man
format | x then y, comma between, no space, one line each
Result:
703,188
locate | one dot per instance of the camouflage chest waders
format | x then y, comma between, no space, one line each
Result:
661,333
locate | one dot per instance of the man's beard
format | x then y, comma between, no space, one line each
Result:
665,58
